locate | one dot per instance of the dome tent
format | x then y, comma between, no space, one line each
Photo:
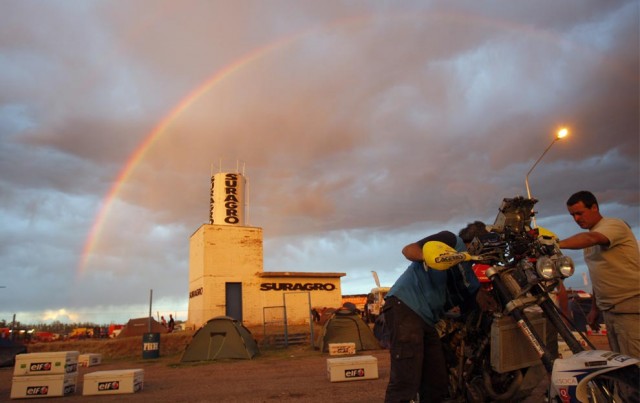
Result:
221,337
346,326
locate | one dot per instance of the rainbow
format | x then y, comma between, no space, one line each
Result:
250,57
165,122
142,149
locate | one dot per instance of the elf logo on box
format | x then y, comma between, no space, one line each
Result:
354,373
40,366
111,385
37,390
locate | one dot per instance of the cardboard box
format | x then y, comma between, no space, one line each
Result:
43,385
113,382
89,360
342,348
352,368
47,363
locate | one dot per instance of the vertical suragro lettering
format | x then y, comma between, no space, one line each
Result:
227,193
231,208
212,199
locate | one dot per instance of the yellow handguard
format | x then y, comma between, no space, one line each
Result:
546,233
440,256
547,237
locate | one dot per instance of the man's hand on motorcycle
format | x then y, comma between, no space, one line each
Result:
592,320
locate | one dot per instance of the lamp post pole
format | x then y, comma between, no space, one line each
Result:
562,133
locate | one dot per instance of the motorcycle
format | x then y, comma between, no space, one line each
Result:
507,346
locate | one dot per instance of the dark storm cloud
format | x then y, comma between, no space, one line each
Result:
363,127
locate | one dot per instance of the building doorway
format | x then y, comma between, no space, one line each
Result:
233,300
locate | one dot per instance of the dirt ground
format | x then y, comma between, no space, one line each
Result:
296,373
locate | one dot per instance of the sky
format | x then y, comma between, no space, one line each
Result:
361,126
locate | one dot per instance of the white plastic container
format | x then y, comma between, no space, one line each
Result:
89,360
46,363
113,382
34,386
354,368
342,348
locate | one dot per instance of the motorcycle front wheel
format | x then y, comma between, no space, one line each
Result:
619,386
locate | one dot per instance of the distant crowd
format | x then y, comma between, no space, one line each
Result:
171,325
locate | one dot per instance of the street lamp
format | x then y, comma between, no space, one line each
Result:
560,134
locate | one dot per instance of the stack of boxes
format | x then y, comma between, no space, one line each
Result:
351,368
48,374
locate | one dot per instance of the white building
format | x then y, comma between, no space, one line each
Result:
226,275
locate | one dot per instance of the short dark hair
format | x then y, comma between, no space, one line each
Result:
473,230
584,196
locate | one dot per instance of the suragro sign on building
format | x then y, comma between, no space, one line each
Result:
227,199
226,274
226,278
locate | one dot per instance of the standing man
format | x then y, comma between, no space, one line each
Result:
412,308
611,254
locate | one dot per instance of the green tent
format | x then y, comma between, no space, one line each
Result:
220,338
346,326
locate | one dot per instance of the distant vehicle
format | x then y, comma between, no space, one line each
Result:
44,336
81,333
375,300
114,330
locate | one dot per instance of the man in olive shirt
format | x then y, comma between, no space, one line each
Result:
612,256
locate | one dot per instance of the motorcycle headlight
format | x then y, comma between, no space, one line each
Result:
545,267
565,266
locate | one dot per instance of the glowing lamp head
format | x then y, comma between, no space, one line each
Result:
562,133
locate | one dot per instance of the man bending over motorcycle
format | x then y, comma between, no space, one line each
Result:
412,308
